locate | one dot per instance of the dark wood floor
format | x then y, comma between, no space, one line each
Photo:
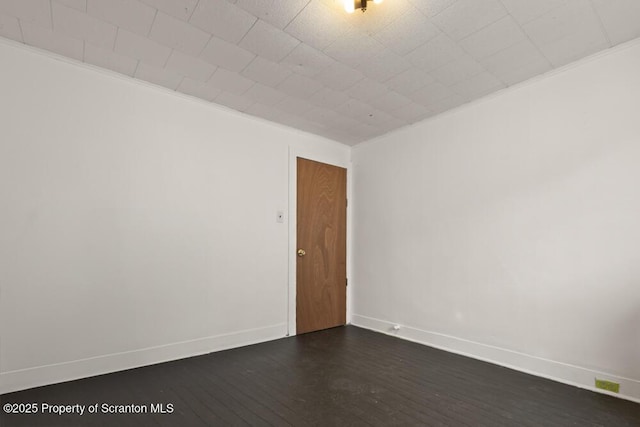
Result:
339,377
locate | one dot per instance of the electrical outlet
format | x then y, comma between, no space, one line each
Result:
608,385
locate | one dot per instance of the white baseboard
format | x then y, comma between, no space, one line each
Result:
60,372
557,371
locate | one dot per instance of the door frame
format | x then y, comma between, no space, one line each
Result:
294,153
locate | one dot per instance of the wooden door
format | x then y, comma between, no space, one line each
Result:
321,267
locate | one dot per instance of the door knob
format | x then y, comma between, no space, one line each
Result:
301,252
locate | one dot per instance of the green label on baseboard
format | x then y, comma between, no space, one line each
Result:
608,385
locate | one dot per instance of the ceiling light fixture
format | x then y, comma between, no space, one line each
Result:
351,5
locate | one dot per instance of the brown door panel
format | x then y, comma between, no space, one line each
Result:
321,268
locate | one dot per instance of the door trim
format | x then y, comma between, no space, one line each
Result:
294,153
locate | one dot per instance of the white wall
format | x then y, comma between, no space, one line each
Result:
136,225
509,229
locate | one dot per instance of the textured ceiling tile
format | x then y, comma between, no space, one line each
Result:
620,18
411,112
367,132
321,115
458,70
468,16
414,70
10,28
448,103
189,66
222,19
364,131
142,48
80,5
431,93
198,89
268,41
339,76
276,12
376,117
478,86
526,10
227,55
493,38
391,125
32,11
158,76
299,86
305,125
73,23
377,16
390,101
307,61
356,109
409,81
574,46
572,17
128,14
264,111
342,122
343,137
353,48
514,64
366,89
264,95
513,57
435,53
229,81
178,34
568,32
106,58
44,38
294,105
384,66
266,72
298,122
181,9
514,75
407,33
431,8
328,98
359,131
317,26
233,100
517,62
